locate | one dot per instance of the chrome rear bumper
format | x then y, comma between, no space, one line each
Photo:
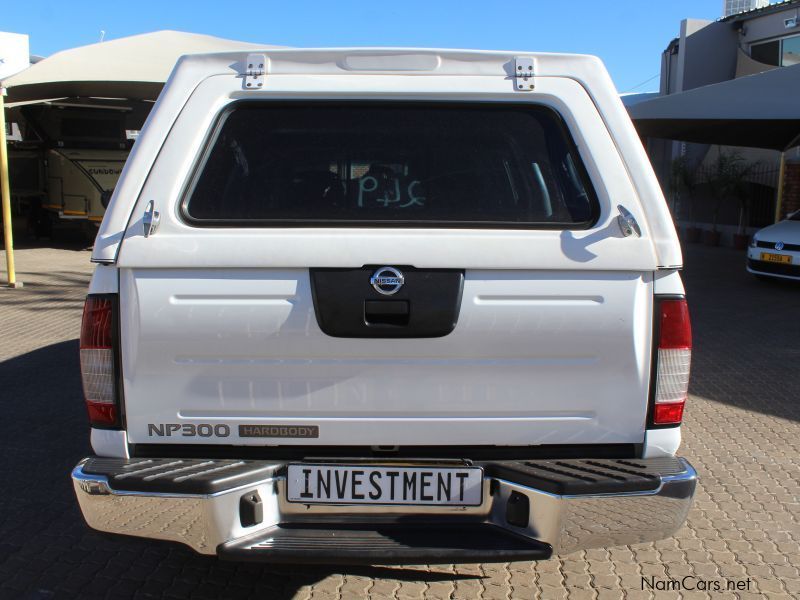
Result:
211,520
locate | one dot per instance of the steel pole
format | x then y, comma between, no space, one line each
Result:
5,192
779,191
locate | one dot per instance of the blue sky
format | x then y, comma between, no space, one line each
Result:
628,35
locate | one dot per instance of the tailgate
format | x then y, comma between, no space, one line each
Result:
535,358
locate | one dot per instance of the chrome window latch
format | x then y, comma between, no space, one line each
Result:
523,74
627,223
150,219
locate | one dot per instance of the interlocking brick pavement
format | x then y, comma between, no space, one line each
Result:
742,433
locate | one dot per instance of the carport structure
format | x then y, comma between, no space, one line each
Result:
756,111
133,68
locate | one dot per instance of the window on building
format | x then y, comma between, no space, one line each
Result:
781,53
768,53
790,51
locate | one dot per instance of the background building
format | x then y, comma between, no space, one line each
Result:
709,55
732,7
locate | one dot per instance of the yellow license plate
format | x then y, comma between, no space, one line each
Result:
778,258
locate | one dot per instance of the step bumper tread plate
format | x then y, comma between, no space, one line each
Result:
588,476
179,475
479,542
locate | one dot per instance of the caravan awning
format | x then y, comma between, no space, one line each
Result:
134,67
758,111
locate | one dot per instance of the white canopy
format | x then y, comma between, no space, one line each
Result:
134,67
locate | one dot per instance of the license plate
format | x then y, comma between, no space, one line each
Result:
778,258
372,484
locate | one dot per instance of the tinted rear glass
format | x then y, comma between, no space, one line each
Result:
437,165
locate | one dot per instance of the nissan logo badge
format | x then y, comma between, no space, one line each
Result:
387,281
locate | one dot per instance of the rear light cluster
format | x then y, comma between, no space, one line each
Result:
673,361
98,360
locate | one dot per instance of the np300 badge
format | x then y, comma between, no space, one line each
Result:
387,281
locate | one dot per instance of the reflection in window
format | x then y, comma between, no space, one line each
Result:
768,53
781,53
380,163
790,51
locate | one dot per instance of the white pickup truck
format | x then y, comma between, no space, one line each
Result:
386,306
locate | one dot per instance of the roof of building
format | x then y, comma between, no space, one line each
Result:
757,12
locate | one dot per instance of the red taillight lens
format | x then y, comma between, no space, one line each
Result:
674,360
98,315
676,328
97,361
666,414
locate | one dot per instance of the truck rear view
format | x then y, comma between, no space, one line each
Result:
387,306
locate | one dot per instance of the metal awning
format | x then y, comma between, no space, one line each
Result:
758,111
134,67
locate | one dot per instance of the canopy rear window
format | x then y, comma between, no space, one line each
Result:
391,164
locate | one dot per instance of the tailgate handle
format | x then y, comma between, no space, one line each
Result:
391,313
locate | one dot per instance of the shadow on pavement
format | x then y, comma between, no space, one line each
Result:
746,334
747,346
46,549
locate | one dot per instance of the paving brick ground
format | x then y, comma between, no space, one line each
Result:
742,433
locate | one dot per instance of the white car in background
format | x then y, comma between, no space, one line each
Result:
775,250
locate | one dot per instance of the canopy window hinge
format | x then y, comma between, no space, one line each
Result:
255,70
523,74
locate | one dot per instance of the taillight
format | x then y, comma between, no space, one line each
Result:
98,360
674,358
